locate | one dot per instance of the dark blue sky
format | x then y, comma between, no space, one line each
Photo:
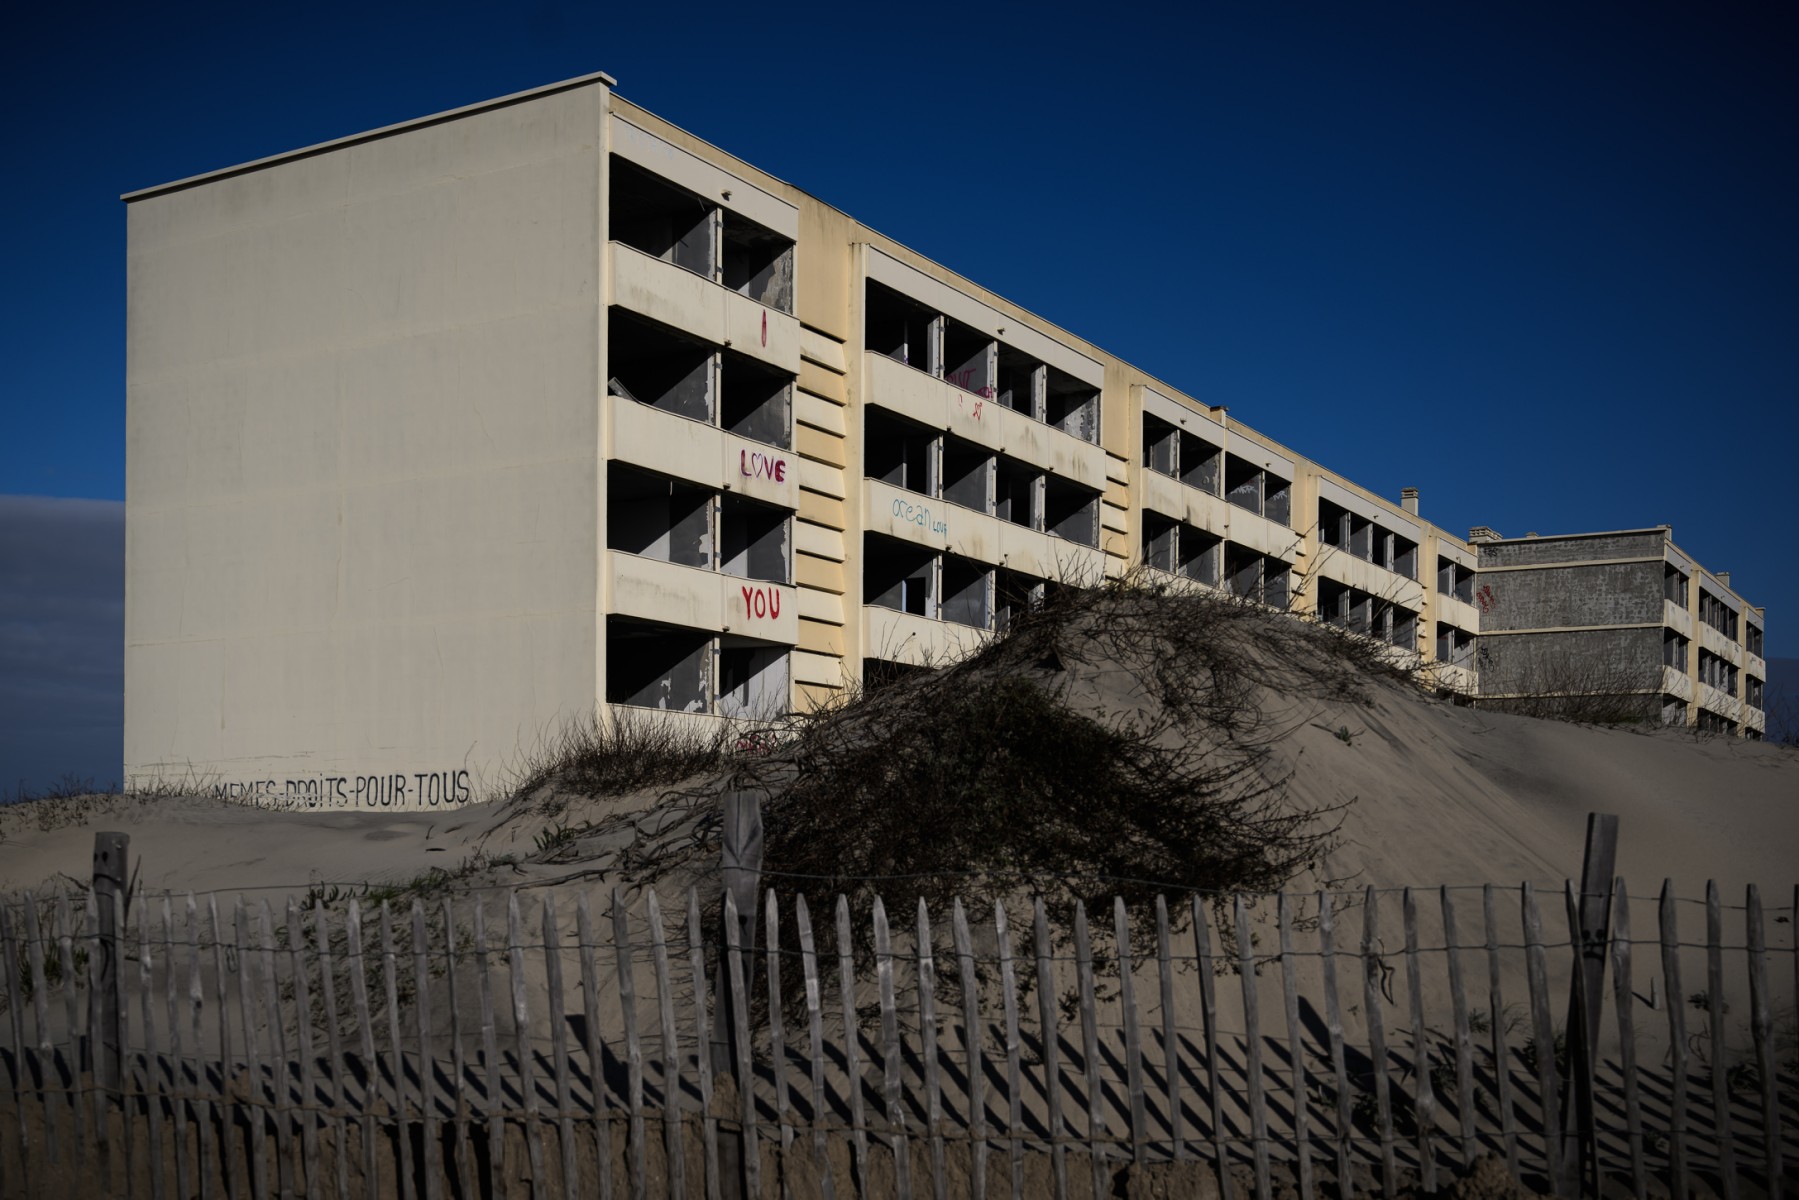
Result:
1539,262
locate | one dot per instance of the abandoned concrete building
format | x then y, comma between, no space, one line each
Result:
1624,616
446,434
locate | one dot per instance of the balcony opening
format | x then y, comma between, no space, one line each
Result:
1070,511
1242,571
756,401
653,365
1277,583
1752,639
1405,557
1159,538
1333,525
1015,492
758,262
1361,538
898,575
1361,611
1402,628
878,673
1014,594
1455,580
1674,710
658,517
754,540
1277,499
1201,554
966,592
1674,586
970,358
1161,446
1674,651
1455,646
1243,484
1071,405
1754,691
899,452
657,666
967,475
648,213
1333,603
1020,382
901,328
1200,464
752,679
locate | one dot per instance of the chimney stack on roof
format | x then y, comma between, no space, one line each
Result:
1408,500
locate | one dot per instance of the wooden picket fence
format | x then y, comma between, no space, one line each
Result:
496,1044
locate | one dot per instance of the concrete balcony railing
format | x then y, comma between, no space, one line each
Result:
896,636
1337,564
683,448
941,405
1677,618
1459,613
1677,683
1215,515
712,312
698,598
1717,643
951,528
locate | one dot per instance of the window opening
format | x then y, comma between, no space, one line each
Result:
1021,382
898,575
970,358
1071,405
1243,484
901,328
648,213
654,365
657,666
967,475
752,679
758,262
1070,511
1017,491
754,540
756,401
900,452
966,585
658,517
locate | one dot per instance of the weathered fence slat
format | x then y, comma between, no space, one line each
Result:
465,1164
972,1025
390,982
121,1032
738,1000
1171,1046
24,1162
1464,1042
1300,1081
1675,1002
1622,988
1333,1021
852,1041
815,1045
1424,1101
676,1171
1052,1048
358,990
309,1134
702,1024
1208,1002
1714,993
185,1184
279,1059
627,1003
1542,1032
777,1035
890,1055
558,1019
1008,982
1133,1035
1373,983
421,1008
334,1042
1502,1059
153,1093
927,1044
596,1044
490,1056
1083,965
94,1019
65,942
246,1003
527,1066
45,1060
1252,1049
1761,1029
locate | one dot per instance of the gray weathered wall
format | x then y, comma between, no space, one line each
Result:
1612,594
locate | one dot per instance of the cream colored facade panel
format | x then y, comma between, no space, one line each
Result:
828,385
819,637
680,299
827,352
1677,617
815,605
1460,613
1677,683
823,574
817,540
1048,557
822,510
1258,533
818,670
1717,643
1376,581
1252,447
708,180
817,477
653,590
953,302
1196,422
820,446
819,413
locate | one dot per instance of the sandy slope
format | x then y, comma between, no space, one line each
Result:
1438,794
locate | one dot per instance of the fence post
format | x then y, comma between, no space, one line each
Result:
740,866
110,850
1590,931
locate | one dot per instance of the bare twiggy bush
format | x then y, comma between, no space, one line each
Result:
1583,693
631,751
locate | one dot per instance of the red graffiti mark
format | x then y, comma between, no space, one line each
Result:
753,464
765,331
1487,600
761,602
